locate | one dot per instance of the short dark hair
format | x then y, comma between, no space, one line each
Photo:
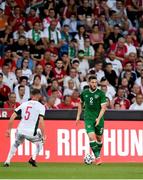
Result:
107,64
35,92
20,86
23,77
91,78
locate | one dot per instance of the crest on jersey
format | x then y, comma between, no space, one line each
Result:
89,126
96,96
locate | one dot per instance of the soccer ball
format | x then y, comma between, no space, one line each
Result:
88,159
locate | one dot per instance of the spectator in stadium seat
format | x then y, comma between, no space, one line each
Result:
70,89
120,98
11,103
32,18
130,46
25,54
54,86
3,21
66,62
59,72
114,35
9,77
72,23
99,52
73,49
50,15
97,70
84,10
109,103
48,73
89,53
51,33
53,50
110,74
20,95
75,98
103,25
72,76
66,104
25,70
69,9
96,37
138,104
134,92
75,64
4,91
101,7
83,64
19,47
39,71
47,59
120,49
126,86
23,82
80,37
116,64
108,94
113,19
17,18
139,66
35,39
37,85
128,68
50,104
18,73
65,35
110,88
133,7
8,59
20,32
117,106
6,37
55,93
132,58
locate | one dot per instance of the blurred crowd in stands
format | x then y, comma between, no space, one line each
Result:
55,45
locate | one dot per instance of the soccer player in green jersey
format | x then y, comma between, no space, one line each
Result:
94,102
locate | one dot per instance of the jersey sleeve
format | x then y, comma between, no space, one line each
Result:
42,111
103,98
18,110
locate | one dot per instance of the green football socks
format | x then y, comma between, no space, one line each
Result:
96,148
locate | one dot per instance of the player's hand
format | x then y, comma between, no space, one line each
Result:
44,139
77,122
7,134
97,122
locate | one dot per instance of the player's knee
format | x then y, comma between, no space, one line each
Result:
99,138
91,136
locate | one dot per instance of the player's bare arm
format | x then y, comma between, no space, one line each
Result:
79,111
102,111
42,127
10,124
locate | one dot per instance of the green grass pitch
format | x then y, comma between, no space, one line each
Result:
72,171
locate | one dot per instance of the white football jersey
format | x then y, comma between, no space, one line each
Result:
29,112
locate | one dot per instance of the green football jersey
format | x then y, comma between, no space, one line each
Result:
92,101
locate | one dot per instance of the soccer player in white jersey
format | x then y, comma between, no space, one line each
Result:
32,113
